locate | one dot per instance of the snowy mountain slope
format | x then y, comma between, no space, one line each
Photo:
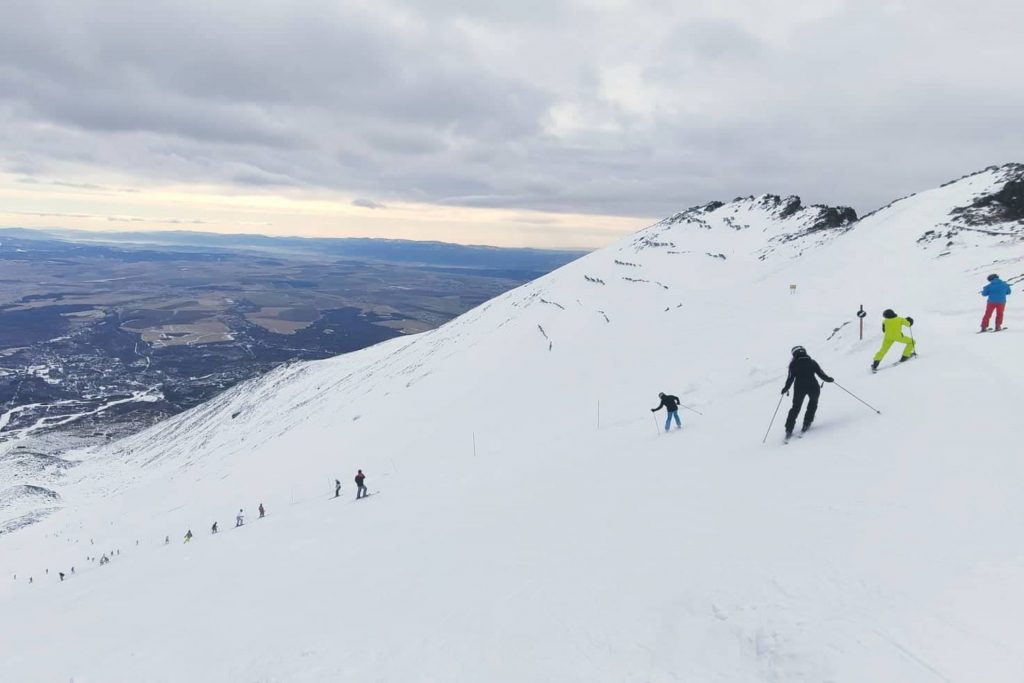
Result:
532,522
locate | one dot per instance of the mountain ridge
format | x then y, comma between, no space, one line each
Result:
534,528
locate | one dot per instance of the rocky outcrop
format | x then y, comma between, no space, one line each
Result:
1003,206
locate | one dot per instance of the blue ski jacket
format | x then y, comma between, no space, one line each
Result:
996,291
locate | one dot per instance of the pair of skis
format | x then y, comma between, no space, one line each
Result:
800,435
892,365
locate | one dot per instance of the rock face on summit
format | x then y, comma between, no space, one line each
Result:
1004,206
991,212
772,225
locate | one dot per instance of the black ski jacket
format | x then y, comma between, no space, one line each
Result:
359,479
802,371
669,403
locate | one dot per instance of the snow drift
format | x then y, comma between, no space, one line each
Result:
533,522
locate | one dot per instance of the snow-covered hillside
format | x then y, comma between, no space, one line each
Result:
533,524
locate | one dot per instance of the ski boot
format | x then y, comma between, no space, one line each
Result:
874,365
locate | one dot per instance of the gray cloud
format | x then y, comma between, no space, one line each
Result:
636,108
110,219
367,203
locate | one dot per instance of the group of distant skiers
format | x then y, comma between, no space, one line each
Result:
804,371
361,492
239,521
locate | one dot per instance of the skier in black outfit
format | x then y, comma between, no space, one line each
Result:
671,406
803,373
361,491
337,488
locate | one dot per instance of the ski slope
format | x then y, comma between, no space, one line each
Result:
534,524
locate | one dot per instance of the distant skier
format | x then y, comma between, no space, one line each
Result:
188,537
337,488
996,290
671,406
892,327
239,519
167,540
803,374
104,559
213,529
61,575
361,490
262,511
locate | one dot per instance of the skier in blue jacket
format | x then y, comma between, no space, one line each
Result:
996,290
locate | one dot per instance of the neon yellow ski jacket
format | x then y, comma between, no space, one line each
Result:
893,328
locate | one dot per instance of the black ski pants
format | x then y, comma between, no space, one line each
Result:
799,394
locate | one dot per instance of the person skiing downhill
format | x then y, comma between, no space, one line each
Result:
671,406
892,327
239,519
262,511
337,488
361,490
213,529
996,290
803,374
188,537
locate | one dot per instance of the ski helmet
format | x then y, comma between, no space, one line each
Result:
888,313
798,351
661,394
992,277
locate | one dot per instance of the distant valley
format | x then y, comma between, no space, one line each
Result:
101,338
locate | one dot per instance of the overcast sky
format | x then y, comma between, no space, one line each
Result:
520,122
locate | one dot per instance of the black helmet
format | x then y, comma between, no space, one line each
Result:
661,394
992,277
888,313
798,351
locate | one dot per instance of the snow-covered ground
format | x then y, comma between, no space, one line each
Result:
533,524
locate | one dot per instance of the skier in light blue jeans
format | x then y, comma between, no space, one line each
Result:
670,404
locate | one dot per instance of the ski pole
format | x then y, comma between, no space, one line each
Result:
657,428
691,409
773,419
857,397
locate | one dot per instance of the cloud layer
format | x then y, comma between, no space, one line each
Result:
620,108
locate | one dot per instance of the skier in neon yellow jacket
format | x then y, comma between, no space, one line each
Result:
892,326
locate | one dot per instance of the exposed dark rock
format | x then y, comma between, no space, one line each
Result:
790,207
833,217
1004,206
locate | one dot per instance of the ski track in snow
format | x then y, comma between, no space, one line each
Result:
520,541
